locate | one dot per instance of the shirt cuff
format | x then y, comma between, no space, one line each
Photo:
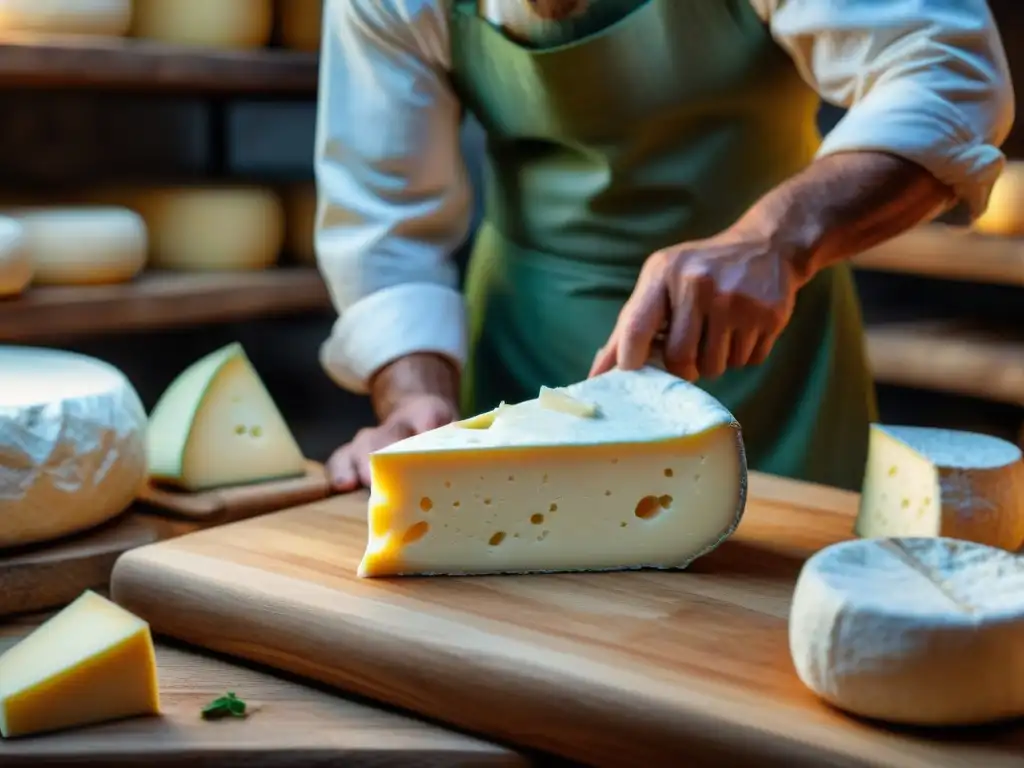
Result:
912,122
391,323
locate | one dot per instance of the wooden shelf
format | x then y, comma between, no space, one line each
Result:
949,253
62,62
159,300
949,357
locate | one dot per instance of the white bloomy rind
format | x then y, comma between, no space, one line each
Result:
650,473
918,631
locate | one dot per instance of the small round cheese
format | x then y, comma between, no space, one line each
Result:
213,228
83,245
72,444
15,265
919,631
223,24
300,24
67,17
300,215
1004,216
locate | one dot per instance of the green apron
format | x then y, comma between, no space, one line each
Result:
658,128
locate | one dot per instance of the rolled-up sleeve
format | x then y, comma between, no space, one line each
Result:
394,197
926,80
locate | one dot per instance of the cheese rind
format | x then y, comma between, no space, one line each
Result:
919,631
301,24
72,444
220,24
15,264
300,222
91,663
1004,216
655,479
921,481
108,18
217,425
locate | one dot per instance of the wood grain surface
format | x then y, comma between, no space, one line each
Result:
616,669
240,502
51,575
293,726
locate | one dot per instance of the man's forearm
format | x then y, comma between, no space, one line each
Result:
844,204
412,375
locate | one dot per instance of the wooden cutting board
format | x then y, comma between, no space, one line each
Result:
616,669
293,725
238,502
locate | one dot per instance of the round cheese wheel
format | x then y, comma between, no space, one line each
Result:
225,24
919,631
67,17
83,245
72,444
300,218
213,228
15,264
300,24
1004,216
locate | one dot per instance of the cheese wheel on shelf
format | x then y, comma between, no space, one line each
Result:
300,216
107,18
917,631
301,24
72,444
15,264
218,24
1004,216
212,228
83,245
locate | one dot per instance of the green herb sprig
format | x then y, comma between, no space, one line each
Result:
224,706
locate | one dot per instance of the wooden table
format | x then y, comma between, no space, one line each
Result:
293,725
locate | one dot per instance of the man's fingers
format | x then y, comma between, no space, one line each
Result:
762,349
744,340
604,360
717,343
341,470
641,319
684,333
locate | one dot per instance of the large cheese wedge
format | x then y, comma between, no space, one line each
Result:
110,18
15,264
223,24
301,23
212,228
217,425
83,245
300,217
625,470
921,481
91,663
72,444
920,631
1004,216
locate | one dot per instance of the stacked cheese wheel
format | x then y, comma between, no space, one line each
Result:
300,24
1005,214
300,216
217,24
75,17
15,264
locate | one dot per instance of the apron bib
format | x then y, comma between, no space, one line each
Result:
661,127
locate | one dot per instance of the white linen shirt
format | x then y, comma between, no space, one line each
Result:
923,79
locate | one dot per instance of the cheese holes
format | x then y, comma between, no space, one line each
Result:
497,538
426,504
537,519
415,533
650,507
669,472
553,508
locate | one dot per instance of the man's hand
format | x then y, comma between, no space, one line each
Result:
721,303
411,395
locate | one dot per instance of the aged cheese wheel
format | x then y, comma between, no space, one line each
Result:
300,215
1005,214
300,24
72,444
919,631
67,17
83,245
225,24
15,264
213,228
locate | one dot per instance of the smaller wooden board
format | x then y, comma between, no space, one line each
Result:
224,505
46,576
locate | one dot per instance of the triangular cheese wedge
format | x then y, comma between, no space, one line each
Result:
922,481
92,662
626,470
217,425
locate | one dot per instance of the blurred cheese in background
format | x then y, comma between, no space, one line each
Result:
110,18
15,264
1005,214
300,24
223,24
73,442
300,217
83,245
